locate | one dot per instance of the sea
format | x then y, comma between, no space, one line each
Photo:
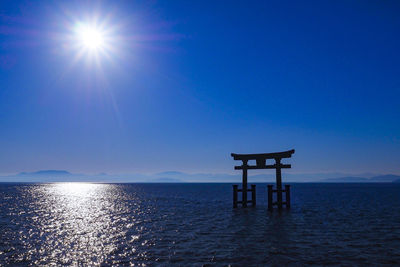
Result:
185,224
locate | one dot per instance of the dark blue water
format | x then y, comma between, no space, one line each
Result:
195,225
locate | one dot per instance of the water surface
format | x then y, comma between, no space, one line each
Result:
195,225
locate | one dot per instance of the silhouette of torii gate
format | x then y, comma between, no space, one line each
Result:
261,163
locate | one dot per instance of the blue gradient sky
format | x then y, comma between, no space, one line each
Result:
189,82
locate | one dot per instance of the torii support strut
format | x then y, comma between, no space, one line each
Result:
261,163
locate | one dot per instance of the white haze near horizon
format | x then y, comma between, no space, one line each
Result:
174,176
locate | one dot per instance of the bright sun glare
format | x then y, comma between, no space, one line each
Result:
90,37
93,40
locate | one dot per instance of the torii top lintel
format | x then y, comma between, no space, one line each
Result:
261,160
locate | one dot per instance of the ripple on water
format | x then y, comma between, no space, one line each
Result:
179,224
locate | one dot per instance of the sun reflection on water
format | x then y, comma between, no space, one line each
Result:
77,189
81,225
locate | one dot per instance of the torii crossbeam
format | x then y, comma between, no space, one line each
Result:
261,163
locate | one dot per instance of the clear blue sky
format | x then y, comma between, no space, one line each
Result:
185,83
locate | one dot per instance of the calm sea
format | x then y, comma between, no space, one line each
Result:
195,225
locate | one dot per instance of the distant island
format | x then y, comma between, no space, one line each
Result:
376,179
46,173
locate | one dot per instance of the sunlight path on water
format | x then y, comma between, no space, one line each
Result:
80,222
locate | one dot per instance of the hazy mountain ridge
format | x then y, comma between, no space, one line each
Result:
46,173
346,179
181,177
376,179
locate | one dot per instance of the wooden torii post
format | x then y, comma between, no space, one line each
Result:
261,163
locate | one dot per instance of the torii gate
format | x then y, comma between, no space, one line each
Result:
261,163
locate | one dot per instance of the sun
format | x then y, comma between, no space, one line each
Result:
92,40
90,37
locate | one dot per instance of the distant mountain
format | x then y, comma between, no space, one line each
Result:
376,179
396,181
166,180
346,180
385,178
46,173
